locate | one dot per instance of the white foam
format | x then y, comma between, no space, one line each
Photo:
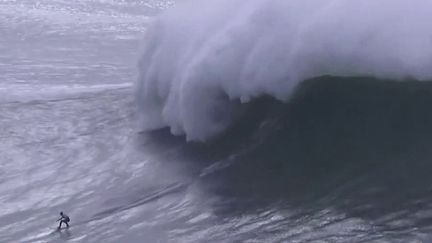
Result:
26,93
200,55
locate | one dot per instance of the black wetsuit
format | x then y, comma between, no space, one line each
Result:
64,219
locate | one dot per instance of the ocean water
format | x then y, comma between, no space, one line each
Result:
215,121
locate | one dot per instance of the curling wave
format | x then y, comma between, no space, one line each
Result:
199,67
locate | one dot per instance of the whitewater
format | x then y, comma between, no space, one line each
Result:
216,120
196,62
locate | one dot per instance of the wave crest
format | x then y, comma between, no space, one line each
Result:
198,66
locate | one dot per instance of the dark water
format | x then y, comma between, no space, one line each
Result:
344,160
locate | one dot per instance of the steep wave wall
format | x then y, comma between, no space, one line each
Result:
202,61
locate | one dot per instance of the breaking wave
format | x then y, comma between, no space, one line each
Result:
200,71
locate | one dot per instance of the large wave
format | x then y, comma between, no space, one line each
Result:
202,60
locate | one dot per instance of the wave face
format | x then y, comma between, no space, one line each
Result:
346,160
198,66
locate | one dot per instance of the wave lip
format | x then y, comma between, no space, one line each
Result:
197,66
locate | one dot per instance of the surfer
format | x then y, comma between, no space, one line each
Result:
63,219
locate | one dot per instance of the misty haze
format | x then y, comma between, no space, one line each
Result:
215,121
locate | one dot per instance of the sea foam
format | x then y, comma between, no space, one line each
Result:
201,59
